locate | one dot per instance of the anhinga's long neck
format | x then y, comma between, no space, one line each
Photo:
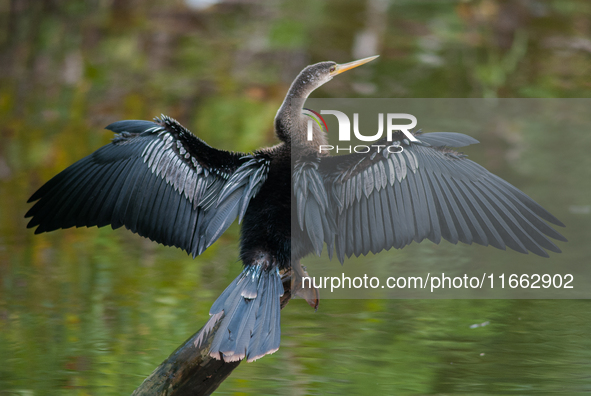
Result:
291,125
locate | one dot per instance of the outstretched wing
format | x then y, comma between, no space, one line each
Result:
428,191
158,180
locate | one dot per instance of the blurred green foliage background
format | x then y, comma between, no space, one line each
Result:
94,311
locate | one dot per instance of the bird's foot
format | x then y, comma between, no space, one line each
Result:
306,291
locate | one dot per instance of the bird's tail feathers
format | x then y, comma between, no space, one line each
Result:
250,327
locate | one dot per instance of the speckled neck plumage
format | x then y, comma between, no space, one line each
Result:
290,123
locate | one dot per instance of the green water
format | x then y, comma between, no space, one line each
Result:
94,311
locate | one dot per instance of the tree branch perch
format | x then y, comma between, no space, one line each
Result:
190,370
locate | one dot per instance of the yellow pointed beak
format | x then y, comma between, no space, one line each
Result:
348,66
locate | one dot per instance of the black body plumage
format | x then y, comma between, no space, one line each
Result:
162,182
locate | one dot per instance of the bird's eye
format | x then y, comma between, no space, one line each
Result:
332,69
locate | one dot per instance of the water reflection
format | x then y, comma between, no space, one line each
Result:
94,311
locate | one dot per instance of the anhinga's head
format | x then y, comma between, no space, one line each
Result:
314,76
289,120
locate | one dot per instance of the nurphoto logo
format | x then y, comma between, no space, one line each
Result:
345,131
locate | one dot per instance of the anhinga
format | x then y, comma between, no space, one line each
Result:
162,182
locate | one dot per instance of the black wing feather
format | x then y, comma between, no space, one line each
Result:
152,178
429,191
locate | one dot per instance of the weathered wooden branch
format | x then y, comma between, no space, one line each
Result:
190,370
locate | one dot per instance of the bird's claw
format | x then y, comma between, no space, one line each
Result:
308,292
